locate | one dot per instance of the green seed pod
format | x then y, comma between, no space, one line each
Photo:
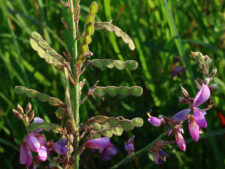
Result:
131,64
43,44
36,36
84,48
41,52
136,91
43,97
101,119
54,101
123,91
111,90
20,90
96,135
87,40
31,93
89,29
106,125
108,63
119,64
90,20
96,126
98,63
114,122
126,125
93,8
99,91
137,122
60,113
34,44
118,131
107,133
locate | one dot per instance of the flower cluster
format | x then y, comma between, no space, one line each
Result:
196,120
129,145
35,142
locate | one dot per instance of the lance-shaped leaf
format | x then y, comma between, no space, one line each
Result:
31,93
118,32
45,126
118,64
45,51
122,91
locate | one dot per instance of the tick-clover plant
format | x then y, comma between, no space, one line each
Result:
96,132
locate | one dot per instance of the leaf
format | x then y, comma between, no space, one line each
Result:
118,32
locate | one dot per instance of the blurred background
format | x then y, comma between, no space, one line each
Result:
201,27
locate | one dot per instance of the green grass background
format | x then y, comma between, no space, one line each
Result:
199,25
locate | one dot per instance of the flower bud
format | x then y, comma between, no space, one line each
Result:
184,92
28,108
213,73
156,122
20,109
31,115
17,114
207,80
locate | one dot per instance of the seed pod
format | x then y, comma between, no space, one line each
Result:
113,121
93,8
138,122
107,133
36,36
118,131
20,90
126,125
54,101
136,91
123,91
111,90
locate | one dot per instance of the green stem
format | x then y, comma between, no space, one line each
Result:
146,148
75,89
178,42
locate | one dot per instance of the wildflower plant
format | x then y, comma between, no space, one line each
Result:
96,132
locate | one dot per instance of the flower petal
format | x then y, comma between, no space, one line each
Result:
155,121
157,158
193,129
38,120
111,150
105,157
42,153
199,117
99,143
180,141
25,155
202,96
33,142
181,115
60,148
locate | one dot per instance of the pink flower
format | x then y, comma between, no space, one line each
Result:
25,155
178,131
99,143
198,119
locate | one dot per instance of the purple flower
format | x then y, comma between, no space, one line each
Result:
107,152
155,121
59,147
99,143
129,145
25,155
42,153
159,156
198,119
33,142
178,131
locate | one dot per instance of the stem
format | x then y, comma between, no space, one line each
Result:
146,148
75,89
178,42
